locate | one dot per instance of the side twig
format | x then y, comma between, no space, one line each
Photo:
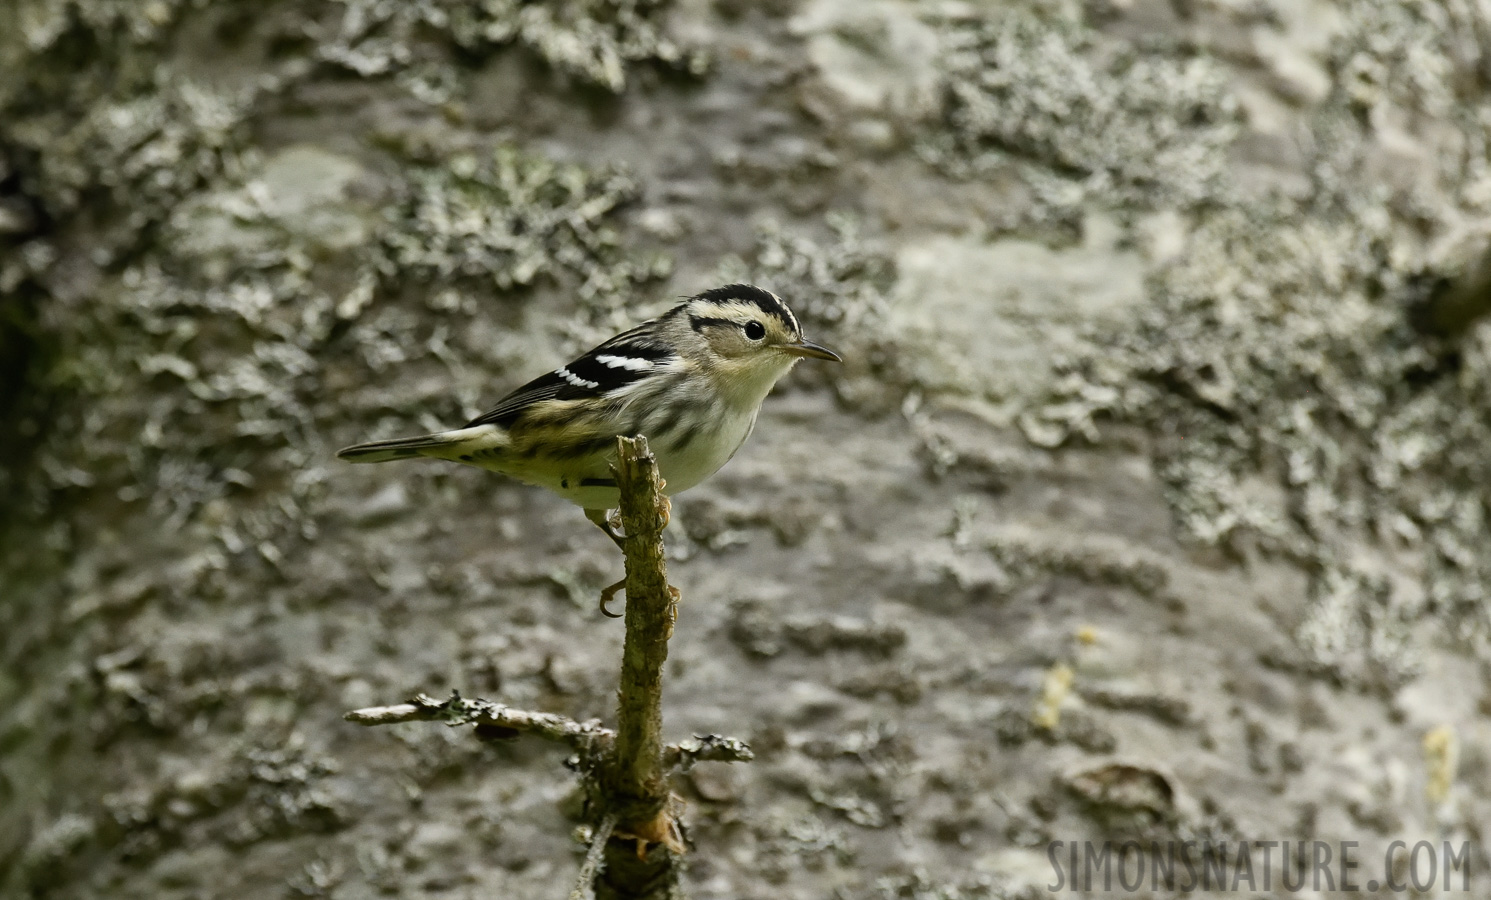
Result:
679,757
592,865
483,713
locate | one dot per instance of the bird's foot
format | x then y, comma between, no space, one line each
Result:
604,520
607,595
609,592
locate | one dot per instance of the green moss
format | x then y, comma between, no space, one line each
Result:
511,220
1079,115
595,41
1294,405
86,108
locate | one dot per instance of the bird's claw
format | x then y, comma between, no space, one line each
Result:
609,592
605,522
607,595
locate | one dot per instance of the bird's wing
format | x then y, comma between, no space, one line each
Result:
624,359
544,387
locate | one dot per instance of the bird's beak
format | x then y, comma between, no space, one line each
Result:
808,348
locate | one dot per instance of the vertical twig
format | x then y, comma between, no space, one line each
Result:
639,738
633,783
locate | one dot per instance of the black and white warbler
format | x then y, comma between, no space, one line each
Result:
692,381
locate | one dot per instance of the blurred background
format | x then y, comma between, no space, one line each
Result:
1151,499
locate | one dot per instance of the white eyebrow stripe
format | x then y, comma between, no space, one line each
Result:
630,363
576,380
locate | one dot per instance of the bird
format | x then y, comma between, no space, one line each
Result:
691,381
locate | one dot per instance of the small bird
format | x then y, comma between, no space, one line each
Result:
691,381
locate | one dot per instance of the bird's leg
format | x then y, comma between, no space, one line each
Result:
602,520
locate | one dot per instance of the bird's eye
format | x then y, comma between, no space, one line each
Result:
755,331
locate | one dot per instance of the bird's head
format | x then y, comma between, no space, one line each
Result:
747,334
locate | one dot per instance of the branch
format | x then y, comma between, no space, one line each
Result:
681,757
459,711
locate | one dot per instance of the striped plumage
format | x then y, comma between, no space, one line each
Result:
691,381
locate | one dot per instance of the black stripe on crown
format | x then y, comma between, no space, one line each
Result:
761,298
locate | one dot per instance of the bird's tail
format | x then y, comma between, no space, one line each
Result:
445,445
